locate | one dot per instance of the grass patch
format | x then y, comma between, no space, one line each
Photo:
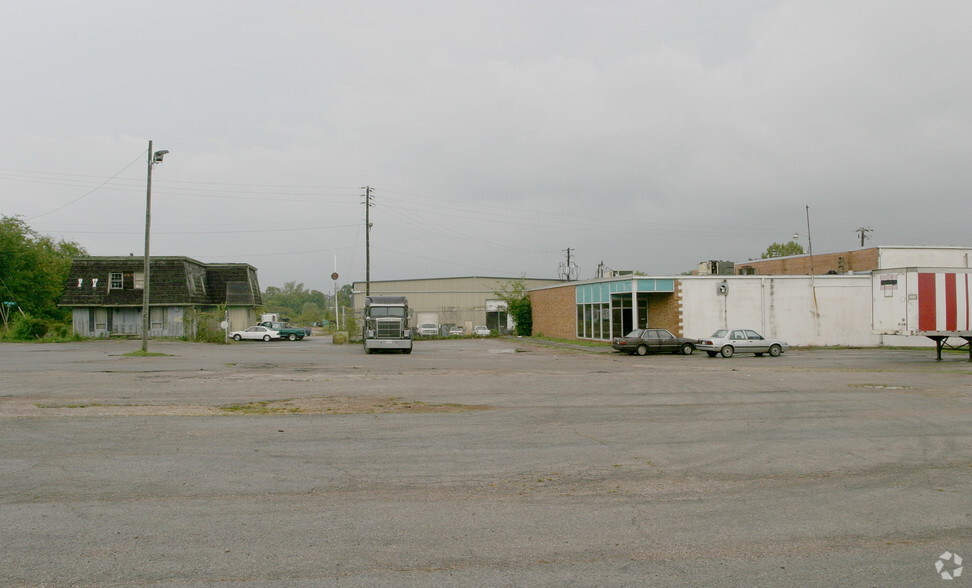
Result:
141,353
78,404
262,407
584,343
879,386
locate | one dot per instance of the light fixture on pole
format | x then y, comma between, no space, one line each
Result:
153,158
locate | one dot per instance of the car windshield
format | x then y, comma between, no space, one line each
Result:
720,334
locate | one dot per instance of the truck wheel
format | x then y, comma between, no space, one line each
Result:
775,350
687,348
642,350
727,351
292,337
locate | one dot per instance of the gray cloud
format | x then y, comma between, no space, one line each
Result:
649,135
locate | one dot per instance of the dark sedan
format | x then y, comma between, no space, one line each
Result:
645,341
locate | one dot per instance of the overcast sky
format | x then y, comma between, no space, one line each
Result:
650,135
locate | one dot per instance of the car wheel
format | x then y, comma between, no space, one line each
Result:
266,337
642,350
237,338
292,337
727,351
775,350
687,349
711,353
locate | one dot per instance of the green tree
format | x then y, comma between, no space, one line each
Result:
310,313
345,296
783,250
297,303
514,293
34,268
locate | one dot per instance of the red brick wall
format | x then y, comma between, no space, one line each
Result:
555,312
664,310
861,260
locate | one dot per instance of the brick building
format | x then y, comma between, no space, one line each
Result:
777,297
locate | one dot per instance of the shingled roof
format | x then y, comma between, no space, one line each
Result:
174,281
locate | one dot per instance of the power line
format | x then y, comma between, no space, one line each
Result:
92,191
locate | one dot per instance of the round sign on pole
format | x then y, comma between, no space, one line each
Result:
334,276
224,325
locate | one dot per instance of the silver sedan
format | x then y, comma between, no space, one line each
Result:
256,333
728,342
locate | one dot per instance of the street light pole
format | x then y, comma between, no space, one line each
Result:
153,158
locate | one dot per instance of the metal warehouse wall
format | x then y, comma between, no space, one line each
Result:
456,300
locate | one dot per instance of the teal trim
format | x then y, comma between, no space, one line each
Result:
601,291
656,285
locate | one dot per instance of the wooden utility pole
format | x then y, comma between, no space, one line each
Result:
813,287
368,205
146,322
864,231
153,158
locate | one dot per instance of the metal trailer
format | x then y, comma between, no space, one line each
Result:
385,324
929,302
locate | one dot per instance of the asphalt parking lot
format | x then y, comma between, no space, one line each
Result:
497,462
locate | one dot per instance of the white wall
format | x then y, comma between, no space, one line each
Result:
898,257
783,307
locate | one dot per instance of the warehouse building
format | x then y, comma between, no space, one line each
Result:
465,301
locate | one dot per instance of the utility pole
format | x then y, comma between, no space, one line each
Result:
864,231
813,288
153,158
568,270
368,204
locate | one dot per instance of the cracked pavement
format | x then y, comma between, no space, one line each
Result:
551,465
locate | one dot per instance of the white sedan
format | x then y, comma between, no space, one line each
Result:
256,333
727,342
481,330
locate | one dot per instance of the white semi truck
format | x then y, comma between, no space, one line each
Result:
385,324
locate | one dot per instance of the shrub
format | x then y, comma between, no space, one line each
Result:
205,326
26,328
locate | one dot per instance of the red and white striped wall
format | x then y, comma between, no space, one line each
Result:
944,300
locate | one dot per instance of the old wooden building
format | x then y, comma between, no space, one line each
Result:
105,294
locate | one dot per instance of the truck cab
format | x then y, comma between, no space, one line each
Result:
385,324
